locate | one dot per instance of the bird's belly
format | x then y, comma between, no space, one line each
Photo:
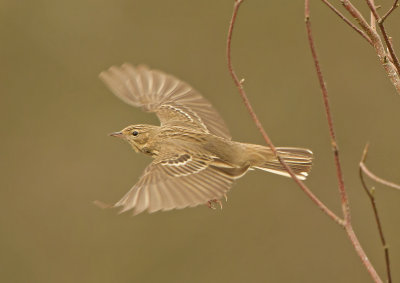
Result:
228,151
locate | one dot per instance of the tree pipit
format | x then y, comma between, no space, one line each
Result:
195,160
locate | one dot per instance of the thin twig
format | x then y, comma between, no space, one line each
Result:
395,5
377,179
359,18
253,115
389,67
385,35
347,21
339,174
373,20
371,196
345,204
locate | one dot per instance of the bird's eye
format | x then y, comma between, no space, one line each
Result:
135,133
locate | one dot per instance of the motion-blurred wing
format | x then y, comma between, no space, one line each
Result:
175,102
179,182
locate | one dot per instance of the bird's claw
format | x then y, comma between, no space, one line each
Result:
211,202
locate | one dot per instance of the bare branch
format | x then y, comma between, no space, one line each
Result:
395,5
371,197
347,21
253,115
339,174
373,20
390,68
345,204
377,179
372,176
385,35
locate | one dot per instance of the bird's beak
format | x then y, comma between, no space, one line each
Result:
116,134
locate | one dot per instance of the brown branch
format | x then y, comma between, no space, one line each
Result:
345,204
385,35
395,5
373,20
346,223
339,174
347,21
253,115
359,18
377,179
372,176
390,68
371,197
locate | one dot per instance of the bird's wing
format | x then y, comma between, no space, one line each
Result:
175,102
179,181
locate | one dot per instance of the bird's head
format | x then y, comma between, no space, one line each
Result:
138,136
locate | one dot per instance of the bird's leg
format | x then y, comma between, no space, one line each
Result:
210,203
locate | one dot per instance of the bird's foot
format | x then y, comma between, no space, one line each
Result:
210,203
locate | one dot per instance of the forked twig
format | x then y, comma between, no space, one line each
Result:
347,21
388,43
346,223
395,5
372,176
391,69
345,205
339,174
246,101
373,20
378,179
371,197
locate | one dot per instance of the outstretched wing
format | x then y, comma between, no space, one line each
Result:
178,182
175,102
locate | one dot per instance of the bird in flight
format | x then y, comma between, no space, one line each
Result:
195,160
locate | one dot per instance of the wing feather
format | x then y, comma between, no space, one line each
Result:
178,182
173,101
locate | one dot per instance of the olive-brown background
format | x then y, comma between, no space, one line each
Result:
56,157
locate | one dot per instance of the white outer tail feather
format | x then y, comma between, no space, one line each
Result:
302,176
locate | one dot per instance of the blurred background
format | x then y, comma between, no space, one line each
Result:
56,157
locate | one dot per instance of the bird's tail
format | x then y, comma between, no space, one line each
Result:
298,159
